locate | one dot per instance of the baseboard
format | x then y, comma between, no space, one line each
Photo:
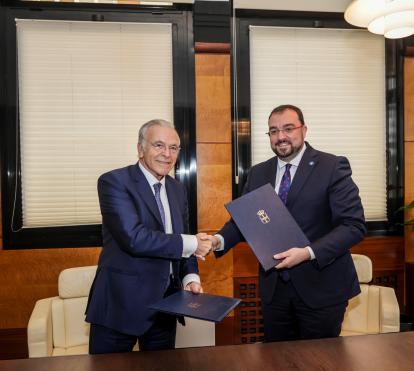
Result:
13,343
225,332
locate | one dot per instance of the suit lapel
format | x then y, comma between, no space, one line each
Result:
305,168
176,218
271,172
145,191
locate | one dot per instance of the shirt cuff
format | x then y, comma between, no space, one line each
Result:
191,277
189,245
312,254
220,237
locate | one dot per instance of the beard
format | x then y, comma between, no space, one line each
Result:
286,152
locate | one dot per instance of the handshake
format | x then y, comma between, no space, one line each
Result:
205,244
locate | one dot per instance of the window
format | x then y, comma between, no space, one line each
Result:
84,88
340,78
337,77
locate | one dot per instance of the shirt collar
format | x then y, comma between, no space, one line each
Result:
295,161
151,179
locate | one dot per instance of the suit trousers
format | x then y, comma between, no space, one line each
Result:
160,336
287,317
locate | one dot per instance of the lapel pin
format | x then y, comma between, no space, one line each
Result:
311,163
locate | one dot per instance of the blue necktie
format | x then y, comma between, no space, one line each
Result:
173,267
283,194
285,184
157,188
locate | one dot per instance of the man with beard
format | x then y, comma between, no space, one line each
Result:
306,294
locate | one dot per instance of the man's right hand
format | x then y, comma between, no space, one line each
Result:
216,243
204,246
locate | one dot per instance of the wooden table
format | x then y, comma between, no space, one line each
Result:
386,352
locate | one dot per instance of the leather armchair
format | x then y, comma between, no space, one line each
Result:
57,325
375,310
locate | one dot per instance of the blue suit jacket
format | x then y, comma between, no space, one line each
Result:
325,203
134,265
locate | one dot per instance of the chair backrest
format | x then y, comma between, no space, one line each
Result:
76,282
365,312
363,266
68,311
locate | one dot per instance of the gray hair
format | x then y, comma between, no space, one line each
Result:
155,122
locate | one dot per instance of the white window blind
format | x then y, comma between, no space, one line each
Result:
84,90
337,78
297,5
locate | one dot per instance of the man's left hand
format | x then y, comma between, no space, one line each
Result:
194,287
292,257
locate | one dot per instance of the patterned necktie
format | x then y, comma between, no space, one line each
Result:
283,194
157,188
285,184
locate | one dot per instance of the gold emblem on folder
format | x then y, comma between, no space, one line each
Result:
264,218
194,305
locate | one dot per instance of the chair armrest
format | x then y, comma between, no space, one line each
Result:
389,311
39,329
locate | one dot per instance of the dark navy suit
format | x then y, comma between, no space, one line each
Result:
134,265
325,203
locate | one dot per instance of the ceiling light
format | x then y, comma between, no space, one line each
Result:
391,18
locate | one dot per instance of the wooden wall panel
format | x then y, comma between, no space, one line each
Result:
409,171
213,162
13,344
409,152
213,98
409,99
29,275
245,262
409,176
213,176
385,252
409,196
217,274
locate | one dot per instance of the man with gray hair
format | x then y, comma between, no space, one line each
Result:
146,252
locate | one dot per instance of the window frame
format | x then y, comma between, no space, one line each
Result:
181,18
241,112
